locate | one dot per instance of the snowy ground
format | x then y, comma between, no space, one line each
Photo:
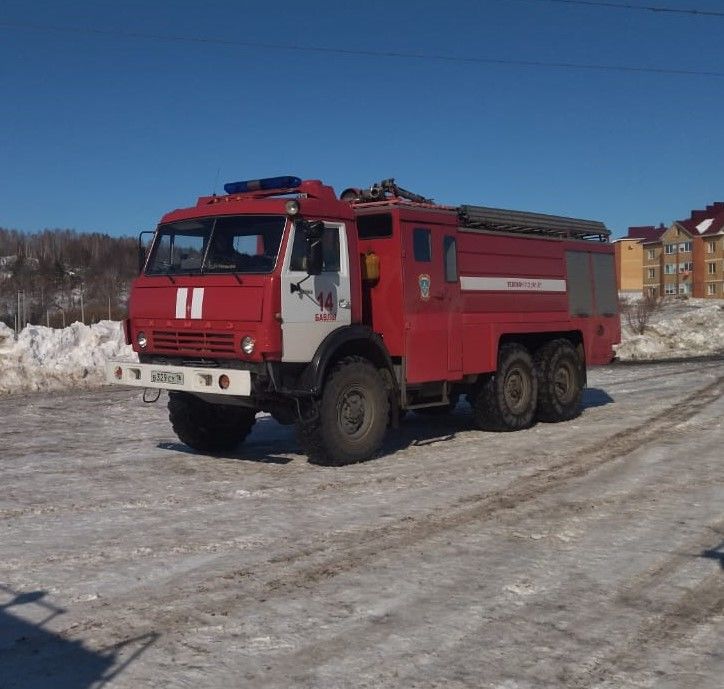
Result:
47,359
584,554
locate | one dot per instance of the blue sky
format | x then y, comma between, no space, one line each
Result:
105,131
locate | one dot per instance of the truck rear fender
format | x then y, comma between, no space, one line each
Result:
532,341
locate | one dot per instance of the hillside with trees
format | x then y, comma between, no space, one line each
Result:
56,277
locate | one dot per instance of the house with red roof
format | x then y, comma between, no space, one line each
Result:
685,259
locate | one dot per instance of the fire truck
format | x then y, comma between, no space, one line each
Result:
341,313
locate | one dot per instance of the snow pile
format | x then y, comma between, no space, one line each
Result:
48,358
678,328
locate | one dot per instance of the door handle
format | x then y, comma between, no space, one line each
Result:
344,304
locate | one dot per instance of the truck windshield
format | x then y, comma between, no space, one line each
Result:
224,244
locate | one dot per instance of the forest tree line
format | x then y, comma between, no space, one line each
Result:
59,276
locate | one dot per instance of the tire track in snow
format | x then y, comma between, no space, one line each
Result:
411,530
348,551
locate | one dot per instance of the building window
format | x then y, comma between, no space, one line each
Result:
669,269
711,268
685,288
686,267
651,292
651,254
710,247
711,288
670,289
685,247
670,248
652,273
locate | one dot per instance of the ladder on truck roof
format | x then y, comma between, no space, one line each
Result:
501,220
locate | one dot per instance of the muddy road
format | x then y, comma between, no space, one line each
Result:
583,554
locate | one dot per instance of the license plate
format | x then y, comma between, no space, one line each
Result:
169,377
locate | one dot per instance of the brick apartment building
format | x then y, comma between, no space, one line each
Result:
685,259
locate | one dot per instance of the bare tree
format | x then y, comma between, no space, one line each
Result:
638,313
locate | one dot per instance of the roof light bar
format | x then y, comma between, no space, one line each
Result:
262,184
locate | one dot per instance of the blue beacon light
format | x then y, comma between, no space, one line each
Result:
262,184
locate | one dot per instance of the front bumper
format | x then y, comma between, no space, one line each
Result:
185,378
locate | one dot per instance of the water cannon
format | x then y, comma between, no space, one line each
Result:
380,191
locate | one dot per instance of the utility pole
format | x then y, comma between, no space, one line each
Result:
82,309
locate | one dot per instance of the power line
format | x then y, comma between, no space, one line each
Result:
365,53
642,8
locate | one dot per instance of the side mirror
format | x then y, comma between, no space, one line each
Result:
313,235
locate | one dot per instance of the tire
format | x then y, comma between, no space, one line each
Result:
350,421
208,427
507,399
560,381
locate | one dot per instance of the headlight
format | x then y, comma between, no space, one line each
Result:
141,340
292,207
247,345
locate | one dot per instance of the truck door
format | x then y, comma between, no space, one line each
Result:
433,346
313,306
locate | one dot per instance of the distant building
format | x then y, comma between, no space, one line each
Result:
707,228
685,259
628,255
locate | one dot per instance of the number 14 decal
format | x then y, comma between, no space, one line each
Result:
325,301
326,307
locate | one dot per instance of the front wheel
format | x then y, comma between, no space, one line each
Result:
351,417
208,427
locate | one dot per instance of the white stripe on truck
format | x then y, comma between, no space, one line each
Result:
511,284
181,295
197,302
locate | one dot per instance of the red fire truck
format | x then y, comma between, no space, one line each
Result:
339,314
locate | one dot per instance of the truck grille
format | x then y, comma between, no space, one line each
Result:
189,341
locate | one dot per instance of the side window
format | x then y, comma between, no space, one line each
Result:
374,226
330,251
451,259
421,245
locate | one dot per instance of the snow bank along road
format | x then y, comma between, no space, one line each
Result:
584,554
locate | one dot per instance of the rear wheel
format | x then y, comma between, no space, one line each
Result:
560,381
208,427
351,418
506,400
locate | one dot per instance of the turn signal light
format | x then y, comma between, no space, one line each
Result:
224,381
